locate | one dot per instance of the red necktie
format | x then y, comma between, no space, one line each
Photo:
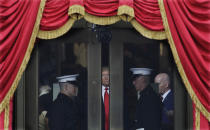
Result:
106,105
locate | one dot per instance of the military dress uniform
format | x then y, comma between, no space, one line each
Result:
63,114
64,111
149,105
148,110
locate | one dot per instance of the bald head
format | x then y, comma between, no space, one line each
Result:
163,82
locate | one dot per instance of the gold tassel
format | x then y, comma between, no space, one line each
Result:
126,13
157,35
197,119
56,33
6,117
101,20
179,64
11,91
76,12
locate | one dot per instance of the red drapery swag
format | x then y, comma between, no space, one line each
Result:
17,23
188,31
55,14
186,24
147,13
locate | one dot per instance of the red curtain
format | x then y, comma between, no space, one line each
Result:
126,2
190,29
199,120
17,20
55,14
76,2
147,13
189,26
101,7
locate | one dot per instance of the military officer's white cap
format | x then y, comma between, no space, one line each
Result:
67,78
141,71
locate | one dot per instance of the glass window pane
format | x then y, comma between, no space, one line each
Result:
144,89
63,102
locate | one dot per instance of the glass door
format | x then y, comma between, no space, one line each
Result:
128,49
86,51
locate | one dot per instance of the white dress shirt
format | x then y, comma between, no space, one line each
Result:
103,91
138,95
165,94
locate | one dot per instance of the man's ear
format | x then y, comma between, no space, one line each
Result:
65,86
167,85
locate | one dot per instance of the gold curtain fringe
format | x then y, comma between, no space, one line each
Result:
179,65
9,95
126,13
197,119
157,35
76,12
101,20
58,32
6,117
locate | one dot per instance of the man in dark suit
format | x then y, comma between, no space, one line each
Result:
166,93
148,109
105,98
63,114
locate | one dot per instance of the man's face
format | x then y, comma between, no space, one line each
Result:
161,85
71,90
139,83
105,78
